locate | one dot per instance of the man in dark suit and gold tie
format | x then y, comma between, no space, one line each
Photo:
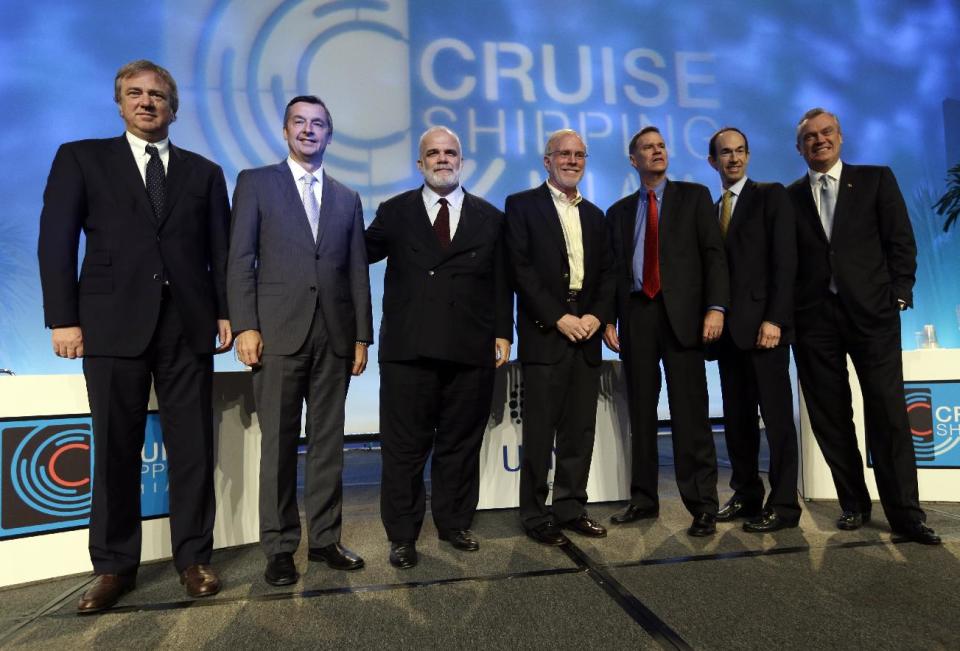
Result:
150,300
858,262
672,288
447,324
563,272
759,232
298,284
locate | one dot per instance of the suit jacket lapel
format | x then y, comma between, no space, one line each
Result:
419,223
666,208
124,166
628,222
551,218
809,208
742,208
470,221
178,170
844,190
291,198
328,208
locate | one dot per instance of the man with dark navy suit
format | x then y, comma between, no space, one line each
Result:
447,324
858,262
672,288
298,284
759,232
563,273
149,302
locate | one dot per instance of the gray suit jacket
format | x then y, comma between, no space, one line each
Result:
276,273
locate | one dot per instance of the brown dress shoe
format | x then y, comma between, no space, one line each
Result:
200,581
105,592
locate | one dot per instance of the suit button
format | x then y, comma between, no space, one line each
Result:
313,289
316,257
156,276
431,272
473,254
566,276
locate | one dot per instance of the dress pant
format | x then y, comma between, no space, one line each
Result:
559,415
118,389
649,339
751,379
824,339
314,373
431,404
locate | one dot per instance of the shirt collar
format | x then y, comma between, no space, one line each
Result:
297,170
657,190
139,145
737,187
560,197
833,173
454,198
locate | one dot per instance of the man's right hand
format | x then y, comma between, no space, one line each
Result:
67,342
249,346
572,328
611,339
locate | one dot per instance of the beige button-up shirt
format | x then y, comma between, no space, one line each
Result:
572,235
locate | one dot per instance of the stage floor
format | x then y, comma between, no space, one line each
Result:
647,585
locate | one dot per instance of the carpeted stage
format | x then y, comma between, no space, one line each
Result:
646,586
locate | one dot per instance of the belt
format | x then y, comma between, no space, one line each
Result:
573,295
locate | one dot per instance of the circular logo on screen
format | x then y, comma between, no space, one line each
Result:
253,58
50,470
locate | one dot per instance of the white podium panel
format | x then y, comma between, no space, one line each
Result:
934,366
500,455
44,420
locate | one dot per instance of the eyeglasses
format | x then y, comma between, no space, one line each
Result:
566,153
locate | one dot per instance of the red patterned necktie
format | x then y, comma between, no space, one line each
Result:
651,249
441,225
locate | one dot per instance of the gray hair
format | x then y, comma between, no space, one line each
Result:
560,133
812,113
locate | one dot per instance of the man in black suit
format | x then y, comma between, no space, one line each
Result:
150,299
759,232
858,261
562,268
299,291
447,324
672,288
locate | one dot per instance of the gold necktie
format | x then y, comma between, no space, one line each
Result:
726,212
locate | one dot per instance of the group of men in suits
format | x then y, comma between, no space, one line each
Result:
667,276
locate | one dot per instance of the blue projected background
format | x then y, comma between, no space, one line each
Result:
502,74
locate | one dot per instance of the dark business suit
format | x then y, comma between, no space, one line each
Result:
310,300
761,248
443,308
561,378
148,298
871,255
693,276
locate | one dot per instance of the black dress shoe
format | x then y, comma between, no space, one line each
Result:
633,513
704,524
768,522
403,555
586,525
737,507
336,556
852,520
548,534
920,533
281,570
461,539
105,592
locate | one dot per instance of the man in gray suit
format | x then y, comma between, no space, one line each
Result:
300,289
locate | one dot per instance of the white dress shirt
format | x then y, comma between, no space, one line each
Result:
431,201
298,173
572,234
139,148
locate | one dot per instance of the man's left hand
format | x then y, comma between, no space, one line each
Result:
591,324
224,336
502,352
359,359
769,335
712,326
